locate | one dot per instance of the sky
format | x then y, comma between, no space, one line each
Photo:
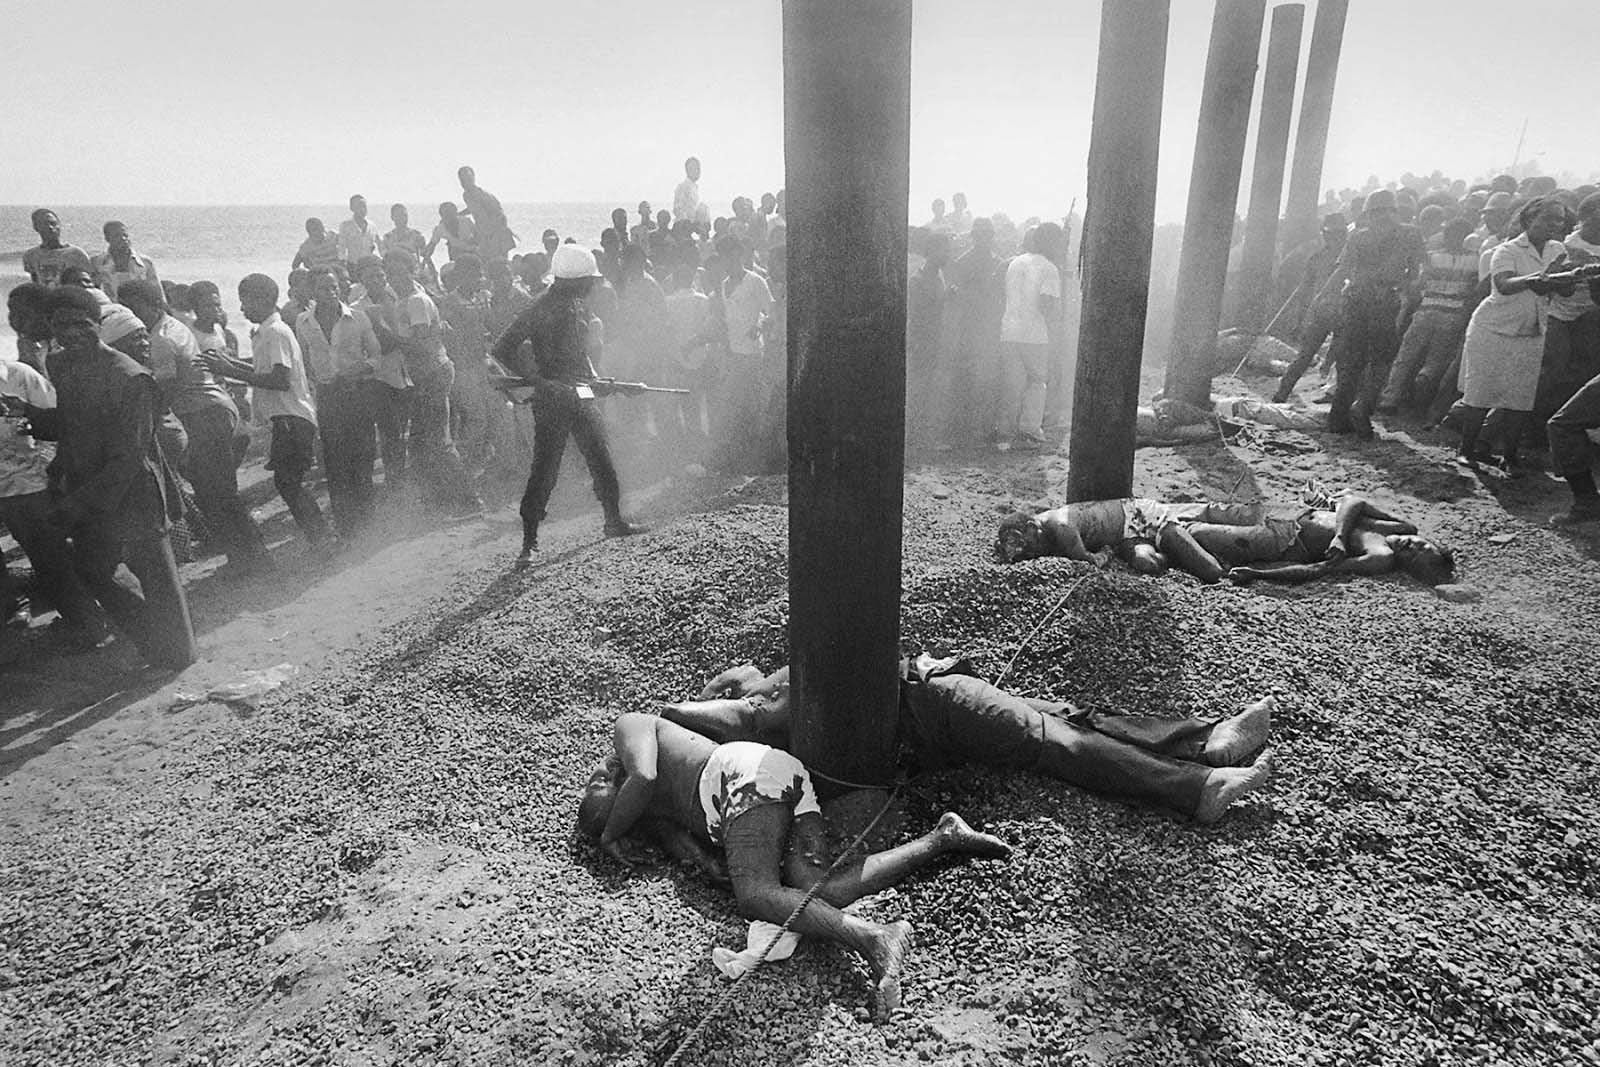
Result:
191,102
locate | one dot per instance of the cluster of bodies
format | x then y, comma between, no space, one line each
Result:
709,781
1476,306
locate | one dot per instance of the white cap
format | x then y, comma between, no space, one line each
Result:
573,261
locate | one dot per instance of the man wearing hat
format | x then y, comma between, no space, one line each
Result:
562,332
117,498
1378,264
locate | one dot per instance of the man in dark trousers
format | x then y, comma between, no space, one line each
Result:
562,332
1378,265
116,497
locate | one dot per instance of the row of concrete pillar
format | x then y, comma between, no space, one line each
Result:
847,76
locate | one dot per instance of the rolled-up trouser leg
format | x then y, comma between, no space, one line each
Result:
957,718
1183,739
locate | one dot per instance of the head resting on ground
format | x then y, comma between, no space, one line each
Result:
599,794
1425,561
1020,537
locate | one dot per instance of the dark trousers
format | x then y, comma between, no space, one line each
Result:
555,421
347,422
1571,358
27,516
1318,325
294,448
211,468
1571,451
391,411
1371,342
956,719
444,476
155,615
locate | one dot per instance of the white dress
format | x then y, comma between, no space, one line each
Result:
1504,347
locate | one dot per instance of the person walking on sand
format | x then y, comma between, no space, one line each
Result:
281,395
1033,295
118,498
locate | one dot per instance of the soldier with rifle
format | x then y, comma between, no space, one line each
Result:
555,365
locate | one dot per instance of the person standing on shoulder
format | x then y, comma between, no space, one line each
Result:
561,334
358,237
120,263
281,395
319,249
117,497
45,263
686,198
495,239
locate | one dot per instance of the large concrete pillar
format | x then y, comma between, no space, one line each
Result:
1119,223
1266,180
847,120
1316,110
1213,196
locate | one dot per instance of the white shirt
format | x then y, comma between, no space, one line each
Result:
272,344
22,459
743,306
355,242
140,268
1516,314
686,200
1028,277
351,352
1570,308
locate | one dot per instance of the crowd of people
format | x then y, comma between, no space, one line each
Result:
133,403
1476,306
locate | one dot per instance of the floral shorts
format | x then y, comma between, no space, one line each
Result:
743,775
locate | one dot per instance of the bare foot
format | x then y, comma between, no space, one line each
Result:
1241,576
956,836
1227,784
886,959
1235,741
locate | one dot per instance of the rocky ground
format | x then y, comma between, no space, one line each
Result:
377,865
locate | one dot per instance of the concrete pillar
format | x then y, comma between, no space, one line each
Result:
1213,196
1316,110
1119,223
847,119
1255,295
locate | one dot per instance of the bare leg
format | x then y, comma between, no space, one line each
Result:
862,876
1180,546
755,844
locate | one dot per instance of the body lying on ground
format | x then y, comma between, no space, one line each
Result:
1238,541
711,774
756,804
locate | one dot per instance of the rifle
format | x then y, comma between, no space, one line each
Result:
522,391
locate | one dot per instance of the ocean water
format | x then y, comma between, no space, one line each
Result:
223,244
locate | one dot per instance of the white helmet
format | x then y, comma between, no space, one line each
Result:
574,261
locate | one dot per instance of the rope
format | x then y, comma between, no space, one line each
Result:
811,894
1073,588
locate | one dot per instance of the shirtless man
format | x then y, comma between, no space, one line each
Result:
948,716
1142,533
1239,542
758,805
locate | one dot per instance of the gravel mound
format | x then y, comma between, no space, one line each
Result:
379,867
